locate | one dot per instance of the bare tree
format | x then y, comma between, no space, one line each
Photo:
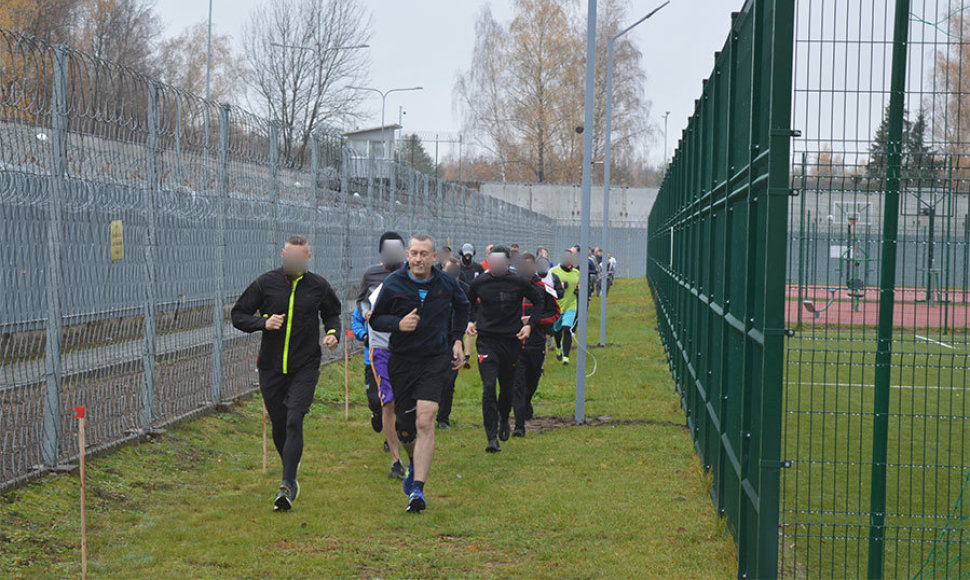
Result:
182,62
296,70
522,98
49,20
125,32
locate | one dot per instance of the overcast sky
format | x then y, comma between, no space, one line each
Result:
426,42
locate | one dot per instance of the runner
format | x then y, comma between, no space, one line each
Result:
425,311
529,368
496,299
380,394
291,302
470,269
568,274
453,269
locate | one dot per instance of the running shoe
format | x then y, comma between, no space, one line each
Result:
444,425
519,431
377,422
397,470
416,501
467,364
565,361
493,446
504,430
387,448
283,501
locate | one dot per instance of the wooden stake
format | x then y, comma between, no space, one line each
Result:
347,335
79,415
264,437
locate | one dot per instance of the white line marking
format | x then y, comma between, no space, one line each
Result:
911,387
943,344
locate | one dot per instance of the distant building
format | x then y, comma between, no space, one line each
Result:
371,151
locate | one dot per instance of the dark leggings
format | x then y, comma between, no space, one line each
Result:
288,439
564,340
287,399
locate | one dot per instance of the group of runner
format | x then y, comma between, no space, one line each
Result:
417,312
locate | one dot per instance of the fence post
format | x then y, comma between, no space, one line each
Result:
52,347
887,292
274,164
392,198
151,241
222,201
314,187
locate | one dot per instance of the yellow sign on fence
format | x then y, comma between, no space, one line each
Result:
117,241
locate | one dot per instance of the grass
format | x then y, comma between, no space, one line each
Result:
624,497
828,434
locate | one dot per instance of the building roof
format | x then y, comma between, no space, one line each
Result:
375,130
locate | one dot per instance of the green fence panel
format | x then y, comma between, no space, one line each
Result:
716,263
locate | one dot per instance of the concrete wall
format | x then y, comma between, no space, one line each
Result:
630,206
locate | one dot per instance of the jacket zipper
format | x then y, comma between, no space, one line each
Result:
289,326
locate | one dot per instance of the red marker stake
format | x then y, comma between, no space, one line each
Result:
347,335
79,415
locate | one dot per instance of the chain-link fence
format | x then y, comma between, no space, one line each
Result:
809,256
133,214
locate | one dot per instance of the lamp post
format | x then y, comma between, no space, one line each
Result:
606,159
383,95
666,116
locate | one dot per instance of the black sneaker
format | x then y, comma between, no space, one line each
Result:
519,431
377,422
493,446
397,470
504,430
284,499
467,364
387,448
444,425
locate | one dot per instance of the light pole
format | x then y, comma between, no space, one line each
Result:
587,186
666,116
383,95
606,160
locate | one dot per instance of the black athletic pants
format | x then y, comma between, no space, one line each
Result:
497,359
527,375
287,399
447,398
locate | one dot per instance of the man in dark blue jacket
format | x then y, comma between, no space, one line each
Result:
426,312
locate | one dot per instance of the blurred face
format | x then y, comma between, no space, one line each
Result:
567,260
498,264
420,258
453,270
527,268
542,266
393,253
296,259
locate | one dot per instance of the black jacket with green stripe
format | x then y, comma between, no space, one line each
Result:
302,300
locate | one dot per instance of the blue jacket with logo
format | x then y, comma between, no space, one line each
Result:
443,312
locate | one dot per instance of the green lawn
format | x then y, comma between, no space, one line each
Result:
625,497
828,435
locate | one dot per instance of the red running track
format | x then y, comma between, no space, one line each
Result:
908,313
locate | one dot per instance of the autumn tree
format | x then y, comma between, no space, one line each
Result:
182,62
297,75
522,96
124,32
411,152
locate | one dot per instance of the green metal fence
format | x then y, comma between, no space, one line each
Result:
716,258
809,256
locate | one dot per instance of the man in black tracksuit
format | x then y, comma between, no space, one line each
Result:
426,312
453,269
496,298
291,302
529,368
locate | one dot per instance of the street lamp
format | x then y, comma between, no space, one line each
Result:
666,116
606,157
383,95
